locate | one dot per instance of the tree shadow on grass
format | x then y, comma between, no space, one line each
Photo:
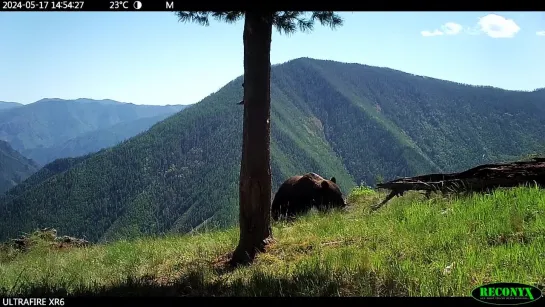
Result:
200,282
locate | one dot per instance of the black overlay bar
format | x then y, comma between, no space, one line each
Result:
89,5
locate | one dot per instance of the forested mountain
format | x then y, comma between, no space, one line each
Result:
40,130
96,140
14,168
8,105
351,121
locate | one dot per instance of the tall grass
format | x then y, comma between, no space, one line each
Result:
413,246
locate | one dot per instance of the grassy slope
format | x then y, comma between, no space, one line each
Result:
484,238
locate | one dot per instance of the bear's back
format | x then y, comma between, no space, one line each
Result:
314,177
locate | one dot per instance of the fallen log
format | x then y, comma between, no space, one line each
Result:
478,179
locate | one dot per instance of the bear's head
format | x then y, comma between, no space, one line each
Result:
330,195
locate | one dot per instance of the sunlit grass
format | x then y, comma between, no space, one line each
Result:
412,246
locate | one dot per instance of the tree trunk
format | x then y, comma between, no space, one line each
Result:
255,170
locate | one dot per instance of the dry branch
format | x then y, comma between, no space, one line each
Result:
481,178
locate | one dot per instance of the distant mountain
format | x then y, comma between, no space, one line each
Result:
355,122
94,141
14,168
39,129
540,96
8,105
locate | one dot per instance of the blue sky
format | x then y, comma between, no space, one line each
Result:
151,58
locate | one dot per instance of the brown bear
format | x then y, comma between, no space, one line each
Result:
298,194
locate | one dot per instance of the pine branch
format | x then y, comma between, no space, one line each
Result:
202,17
328,18
286,22
289,21
228,16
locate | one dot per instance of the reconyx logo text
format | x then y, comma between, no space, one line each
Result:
506,294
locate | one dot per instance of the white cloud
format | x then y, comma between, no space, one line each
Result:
540,33
497,26
431,33
451,28
493,25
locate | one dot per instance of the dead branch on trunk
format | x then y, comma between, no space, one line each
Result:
478,179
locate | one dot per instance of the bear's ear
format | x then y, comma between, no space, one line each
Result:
324,184
333,180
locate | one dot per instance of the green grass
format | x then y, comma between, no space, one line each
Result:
402,249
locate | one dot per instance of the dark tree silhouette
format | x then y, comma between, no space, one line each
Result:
255,169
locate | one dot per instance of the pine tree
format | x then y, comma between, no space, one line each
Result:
255,170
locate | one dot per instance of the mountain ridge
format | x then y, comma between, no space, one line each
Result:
96,140
6,105
358,123
36,129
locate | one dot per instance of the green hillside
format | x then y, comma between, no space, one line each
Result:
96,140
42,174
355,122
41,129
14,168
463,243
